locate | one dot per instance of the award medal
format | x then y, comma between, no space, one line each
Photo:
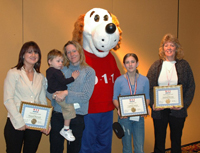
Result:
168,101
133,109
130,87
33,121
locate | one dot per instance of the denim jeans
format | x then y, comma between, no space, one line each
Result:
135,129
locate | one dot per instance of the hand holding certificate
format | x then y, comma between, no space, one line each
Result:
36,116
168,96
133,105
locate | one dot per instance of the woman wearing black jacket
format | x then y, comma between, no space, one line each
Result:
170,69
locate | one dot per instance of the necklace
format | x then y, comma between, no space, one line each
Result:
172,68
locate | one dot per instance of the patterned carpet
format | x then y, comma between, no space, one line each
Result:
189,148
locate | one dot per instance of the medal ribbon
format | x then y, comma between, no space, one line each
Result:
129,83
169,79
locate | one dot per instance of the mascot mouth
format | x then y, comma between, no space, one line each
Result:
99,50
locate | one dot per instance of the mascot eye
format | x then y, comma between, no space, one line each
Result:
96,18
106,18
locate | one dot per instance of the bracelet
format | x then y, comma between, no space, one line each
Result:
54,96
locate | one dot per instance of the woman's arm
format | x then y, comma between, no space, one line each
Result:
9,92
87,86
116,104
60,95
42,96
188,94
73,96
151,75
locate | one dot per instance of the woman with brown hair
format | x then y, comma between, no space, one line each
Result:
24,82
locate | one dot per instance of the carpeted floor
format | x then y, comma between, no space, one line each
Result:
189,148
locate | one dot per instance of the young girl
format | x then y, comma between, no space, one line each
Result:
139,84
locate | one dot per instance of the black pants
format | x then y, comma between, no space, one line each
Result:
15,139
160,126
57,141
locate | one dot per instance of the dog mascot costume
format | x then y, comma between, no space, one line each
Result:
98,32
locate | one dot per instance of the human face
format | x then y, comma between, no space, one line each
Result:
30,57
57,62
131,64
170,51
72,54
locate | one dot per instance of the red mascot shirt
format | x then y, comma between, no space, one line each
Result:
106,73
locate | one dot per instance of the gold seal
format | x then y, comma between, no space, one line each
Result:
133,109
168,101
33,121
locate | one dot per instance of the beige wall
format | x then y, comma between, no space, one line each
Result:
50,24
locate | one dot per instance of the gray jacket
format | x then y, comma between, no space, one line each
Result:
79,91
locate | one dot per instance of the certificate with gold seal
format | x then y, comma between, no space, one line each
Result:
168,96
36,116
133,105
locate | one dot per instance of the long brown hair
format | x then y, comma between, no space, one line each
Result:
23,50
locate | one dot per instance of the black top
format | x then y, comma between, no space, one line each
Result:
56,80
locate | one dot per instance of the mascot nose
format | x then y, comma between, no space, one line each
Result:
110,28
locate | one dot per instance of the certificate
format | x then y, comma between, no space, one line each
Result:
36,116
133,105
168,96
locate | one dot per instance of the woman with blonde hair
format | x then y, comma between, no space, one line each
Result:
78,93
170,69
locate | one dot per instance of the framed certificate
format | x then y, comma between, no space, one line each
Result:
36,116
168,96
133,105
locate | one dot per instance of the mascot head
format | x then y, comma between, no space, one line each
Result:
98,32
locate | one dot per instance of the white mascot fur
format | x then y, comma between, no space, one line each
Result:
98,32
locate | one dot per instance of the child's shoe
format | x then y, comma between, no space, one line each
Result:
67,134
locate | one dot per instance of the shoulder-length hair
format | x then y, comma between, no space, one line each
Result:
80,51
134,56
23,50
171,38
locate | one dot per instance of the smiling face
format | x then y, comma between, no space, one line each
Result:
131,64
30,56
72,54
56,62
170,51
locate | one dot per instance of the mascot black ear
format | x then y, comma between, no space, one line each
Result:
117,128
